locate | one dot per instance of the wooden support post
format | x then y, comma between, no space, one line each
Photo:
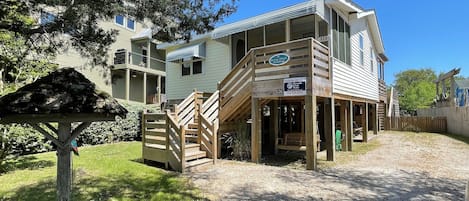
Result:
256,119
365,123
311,132
350,126
64,163
127,84
376,120
329,121
144,88
343,124
276,119
159,90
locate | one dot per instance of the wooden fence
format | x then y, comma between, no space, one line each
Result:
417,124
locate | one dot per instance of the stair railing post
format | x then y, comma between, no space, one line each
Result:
182,146
168,152
215,141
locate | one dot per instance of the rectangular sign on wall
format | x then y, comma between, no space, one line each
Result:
294,86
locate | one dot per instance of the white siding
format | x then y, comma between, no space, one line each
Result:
357,80
214,68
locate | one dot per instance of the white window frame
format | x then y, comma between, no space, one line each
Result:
125,22
361,46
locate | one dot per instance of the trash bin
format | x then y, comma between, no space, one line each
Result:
338,140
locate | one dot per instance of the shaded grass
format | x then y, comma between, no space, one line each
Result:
104,172
358,149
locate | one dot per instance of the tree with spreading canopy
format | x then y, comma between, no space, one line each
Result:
416,88
79,21
28,47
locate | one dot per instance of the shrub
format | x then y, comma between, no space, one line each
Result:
128,129
238,143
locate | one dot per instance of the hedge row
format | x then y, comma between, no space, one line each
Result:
22,139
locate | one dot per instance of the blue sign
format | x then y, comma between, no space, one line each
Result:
279,59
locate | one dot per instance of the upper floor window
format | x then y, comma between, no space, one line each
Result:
360,47
119,20
341,38
195,67
130,24
124,21
47,18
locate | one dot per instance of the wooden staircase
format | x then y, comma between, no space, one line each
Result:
184,138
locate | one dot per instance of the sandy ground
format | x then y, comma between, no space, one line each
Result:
404,167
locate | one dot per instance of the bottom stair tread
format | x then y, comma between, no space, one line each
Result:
198,162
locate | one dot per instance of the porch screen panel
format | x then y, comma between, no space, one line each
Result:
256,38
340,38
302,27
335,35
275,33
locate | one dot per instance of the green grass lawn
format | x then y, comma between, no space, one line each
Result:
104,172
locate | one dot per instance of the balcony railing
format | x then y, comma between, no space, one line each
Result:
382,91
136,59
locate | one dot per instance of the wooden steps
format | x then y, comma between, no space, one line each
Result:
198,163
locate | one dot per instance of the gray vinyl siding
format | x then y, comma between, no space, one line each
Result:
357,80
214,68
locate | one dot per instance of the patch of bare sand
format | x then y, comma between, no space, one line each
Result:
405,167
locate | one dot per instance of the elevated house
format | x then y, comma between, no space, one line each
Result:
137,72
296,75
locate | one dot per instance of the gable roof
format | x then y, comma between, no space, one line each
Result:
63,92
290,12
463,84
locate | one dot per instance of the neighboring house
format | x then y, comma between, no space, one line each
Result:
137,73
293,73
462,93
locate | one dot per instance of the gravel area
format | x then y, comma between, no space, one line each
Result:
406,166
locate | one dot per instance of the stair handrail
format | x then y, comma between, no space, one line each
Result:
186,110
207,134
175,143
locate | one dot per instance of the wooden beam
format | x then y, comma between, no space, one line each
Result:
329,133
276,123
64,164
52,128
311,132
44,118
47,135
77,131
350,125
375,119
365,123
255,130
344,124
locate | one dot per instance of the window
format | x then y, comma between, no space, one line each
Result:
341,38
124,21
360,41
47,18
186,69
195,67
372,65
119,20
131,24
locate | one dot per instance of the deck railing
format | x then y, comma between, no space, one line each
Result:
175,147
208,126
382,91
127,57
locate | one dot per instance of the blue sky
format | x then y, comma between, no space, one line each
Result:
434,34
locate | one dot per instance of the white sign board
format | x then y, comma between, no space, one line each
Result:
294,86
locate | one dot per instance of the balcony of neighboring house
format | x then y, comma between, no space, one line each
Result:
382,84
138,74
